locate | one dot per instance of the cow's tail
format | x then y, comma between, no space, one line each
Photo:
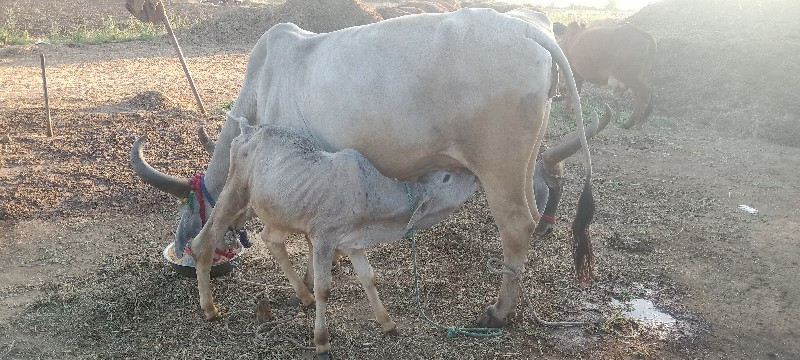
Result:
581,245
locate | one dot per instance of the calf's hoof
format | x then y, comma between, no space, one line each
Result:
295,301
390,329
490,320
323,356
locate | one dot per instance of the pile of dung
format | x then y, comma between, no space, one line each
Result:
147,101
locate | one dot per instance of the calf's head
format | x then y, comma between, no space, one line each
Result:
437,194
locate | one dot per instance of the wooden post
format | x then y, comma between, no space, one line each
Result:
183,60
46,99
153,11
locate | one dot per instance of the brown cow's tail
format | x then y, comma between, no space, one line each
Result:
651,59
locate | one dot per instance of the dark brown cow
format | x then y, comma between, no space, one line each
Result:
620,56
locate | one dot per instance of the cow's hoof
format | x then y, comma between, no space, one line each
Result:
324,356
393,333
489,320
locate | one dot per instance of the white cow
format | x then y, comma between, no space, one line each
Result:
416,93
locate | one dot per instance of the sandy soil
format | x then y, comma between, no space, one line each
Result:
83,275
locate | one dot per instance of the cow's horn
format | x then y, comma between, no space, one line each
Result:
208,144
571,143
169,184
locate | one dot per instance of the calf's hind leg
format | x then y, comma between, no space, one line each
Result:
323,256
276,242
367,278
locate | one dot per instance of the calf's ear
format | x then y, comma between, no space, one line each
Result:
422,209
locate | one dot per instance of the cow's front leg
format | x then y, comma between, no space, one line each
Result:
367,277
323,256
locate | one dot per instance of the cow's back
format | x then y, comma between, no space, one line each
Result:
624,52
417,85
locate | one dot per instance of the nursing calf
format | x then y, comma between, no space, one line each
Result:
340,200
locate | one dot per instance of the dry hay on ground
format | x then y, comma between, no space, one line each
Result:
498,6
241,27
326,16
417,7
85,165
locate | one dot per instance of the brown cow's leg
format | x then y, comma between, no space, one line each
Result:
642,96
367,277
276,242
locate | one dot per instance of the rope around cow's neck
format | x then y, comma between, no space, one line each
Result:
495,266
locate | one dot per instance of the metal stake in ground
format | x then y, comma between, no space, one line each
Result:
153,11
46,99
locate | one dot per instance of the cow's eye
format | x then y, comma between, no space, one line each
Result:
446,178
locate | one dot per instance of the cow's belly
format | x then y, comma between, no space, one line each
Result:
403,152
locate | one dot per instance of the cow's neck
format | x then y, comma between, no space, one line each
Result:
217,172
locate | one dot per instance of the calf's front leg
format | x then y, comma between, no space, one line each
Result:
203,249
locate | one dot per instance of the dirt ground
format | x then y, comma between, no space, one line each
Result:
83,276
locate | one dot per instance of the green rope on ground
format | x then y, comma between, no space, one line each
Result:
479,332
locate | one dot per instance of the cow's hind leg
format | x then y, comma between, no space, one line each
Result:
642,104
367,277
323,256
276,242
506,197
